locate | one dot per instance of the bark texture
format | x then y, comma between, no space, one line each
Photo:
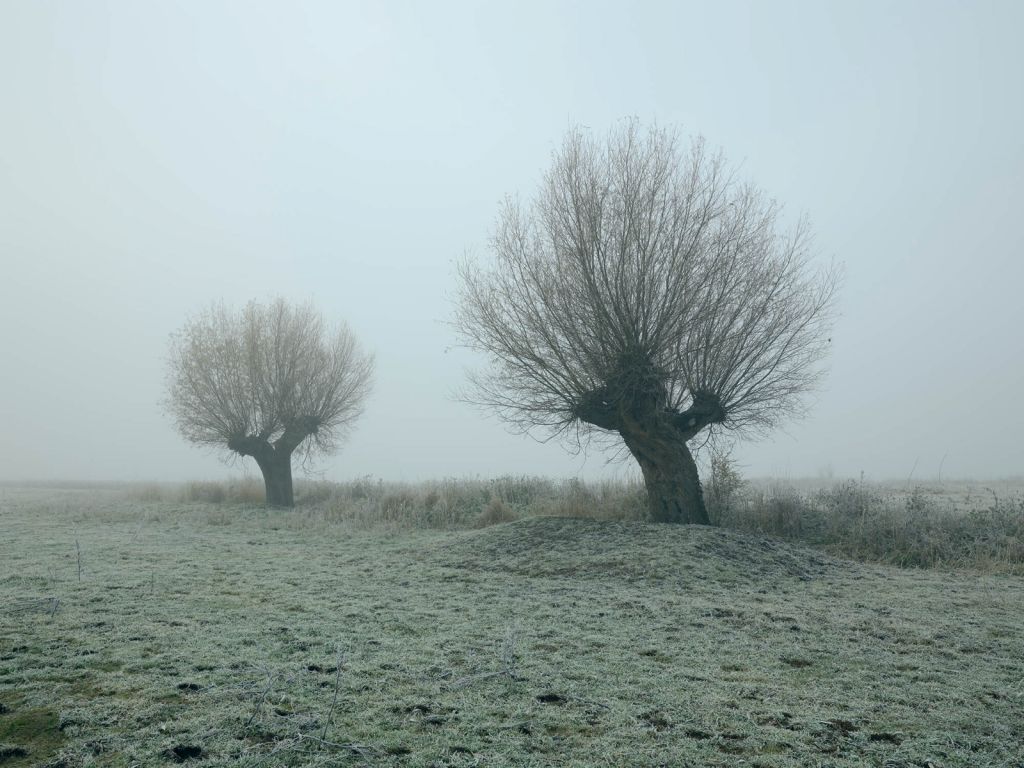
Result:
635,404
277,479
275,462
674,493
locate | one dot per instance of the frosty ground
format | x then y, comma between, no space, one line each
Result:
153,633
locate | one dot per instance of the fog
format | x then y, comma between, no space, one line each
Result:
157,157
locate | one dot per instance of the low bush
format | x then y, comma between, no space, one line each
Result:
205,492
496,512
916,528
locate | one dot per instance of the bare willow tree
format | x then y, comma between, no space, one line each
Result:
647,293
268,382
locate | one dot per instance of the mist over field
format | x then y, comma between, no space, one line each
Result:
157,157
309,234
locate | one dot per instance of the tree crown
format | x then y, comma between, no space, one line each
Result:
645,278
269,374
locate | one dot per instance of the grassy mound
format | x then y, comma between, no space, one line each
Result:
667,555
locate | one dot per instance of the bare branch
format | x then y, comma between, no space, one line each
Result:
644,291
641,267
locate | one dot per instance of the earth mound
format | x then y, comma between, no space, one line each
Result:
579,547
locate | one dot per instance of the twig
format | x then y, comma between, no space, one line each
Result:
263,697
363,750
334,701
34,605
78,550
281,746
912,470
508,664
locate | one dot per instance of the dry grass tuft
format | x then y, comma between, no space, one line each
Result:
921,527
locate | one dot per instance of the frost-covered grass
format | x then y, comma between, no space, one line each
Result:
978,527
954,525
213,633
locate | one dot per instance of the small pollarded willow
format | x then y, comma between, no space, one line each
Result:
645,292
268,382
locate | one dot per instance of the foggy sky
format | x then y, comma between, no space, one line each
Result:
155,157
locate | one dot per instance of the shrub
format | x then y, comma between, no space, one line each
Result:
315,492
206,492
723,488
494,513
249,490
916,529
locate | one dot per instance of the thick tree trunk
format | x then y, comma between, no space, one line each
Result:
275,462
634,402
674,494
277,478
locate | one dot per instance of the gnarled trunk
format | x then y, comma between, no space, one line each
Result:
275,462
276,467
670,474
635,404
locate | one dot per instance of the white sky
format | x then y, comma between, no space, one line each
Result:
157,156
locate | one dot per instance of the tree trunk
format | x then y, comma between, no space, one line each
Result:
277,478
670,474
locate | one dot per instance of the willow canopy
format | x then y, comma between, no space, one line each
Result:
269,381
645,292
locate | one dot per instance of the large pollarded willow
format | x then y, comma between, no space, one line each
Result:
267,382
646,292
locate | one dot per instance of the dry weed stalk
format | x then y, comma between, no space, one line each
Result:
47,605
334,701
301,738
271,679
508,664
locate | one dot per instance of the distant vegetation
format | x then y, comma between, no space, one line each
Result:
644,295
952,525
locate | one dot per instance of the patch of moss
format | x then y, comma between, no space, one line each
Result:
28,736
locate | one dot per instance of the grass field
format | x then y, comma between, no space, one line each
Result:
157,632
